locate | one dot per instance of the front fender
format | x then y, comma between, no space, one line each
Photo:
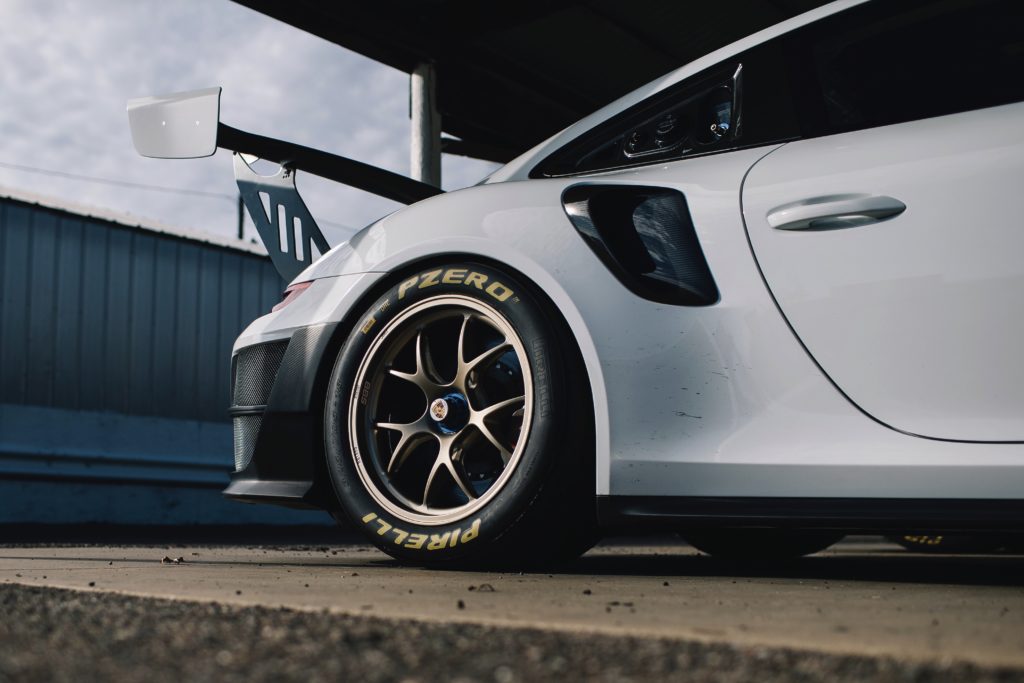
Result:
520,225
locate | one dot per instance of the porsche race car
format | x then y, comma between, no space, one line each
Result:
774,297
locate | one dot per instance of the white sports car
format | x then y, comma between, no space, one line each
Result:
771,298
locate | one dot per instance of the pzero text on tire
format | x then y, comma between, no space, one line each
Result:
456,423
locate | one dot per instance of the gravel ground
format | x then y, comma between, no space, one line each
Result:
59,635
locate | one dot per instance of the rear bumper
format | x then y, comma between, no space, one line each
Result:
276,411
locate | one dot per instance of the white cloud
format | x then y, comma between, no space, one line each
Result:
70,67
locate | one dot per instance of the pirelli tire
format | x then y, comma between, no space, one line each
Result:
951,543
458,424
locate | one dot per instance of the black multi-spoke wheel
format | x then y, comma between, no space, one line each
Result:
452,427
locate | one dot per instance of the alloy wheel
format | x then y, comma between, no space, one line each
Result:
440,410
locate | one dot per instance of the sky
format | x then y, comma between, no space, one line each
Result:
68,69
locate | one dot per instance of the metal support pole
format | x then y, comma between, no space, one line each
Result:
425,149
241,218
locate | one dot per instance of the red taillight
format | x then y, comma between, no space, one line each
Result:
290,294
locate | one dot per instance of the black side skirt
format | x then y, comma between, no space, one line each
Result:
847,514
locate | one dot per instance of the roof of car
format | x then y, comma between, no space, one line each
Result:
510,75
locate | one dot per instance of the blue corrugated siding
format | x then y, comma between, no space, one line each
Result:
115,350
97,316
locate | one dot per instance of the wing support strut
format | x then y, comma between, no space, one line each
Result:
187,125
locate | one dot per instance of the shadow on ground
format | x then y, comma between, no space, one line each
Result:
857,559
873,564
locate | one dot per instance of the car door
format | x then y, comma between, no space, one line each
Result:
892,235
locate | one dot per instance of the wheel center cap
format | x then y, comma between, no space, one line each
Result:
450,413
438,409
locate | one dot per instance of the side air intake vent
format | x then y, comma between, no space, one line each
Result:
254,370
644,235
246,427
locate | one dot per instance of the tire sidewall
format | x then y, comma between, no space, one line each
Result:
509,297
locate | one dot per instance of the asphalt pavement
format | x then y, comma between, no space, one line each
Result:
625,611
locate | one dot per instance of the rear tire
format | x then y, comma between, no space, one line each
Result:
946,543
761,545
458,425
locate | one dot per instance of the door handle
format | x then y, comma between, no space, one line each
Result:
832,212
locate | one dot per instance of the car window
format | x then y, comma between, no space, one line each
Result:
891,62
741,102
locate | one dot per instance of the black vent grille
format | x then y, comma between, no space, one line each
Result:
645,236
253,373
246,428
255,369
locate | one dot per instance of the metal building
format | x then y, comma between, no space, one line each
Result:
115,346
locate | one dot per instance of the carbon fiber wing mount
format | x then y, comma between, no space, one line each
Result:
286,227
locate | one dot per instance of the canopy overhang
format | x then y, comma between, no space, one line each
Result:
510,75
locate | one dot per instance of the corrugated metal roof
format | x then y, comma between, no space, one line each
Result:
130,221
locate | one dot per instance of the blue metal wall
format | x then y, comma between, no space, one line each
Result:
115,346
98,316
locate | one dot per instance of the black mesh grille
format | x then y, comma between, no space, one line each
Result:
255,369
246,429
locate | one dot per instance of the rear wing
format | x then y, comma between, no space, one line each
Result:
187,125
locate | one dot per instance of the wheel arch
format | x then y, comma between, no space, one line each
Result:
581,348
